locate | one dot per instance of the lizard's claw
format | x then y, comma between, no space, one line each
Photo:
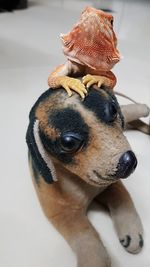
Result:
72,84
89,80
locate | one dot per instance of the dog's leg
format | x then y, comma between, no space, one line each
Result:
126,220
70,219
74,226
82,237
132,113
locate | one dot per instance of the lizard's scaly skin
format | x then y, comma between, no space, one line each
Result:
90,48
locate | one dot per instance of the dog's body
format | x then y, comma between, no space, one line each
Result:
81,144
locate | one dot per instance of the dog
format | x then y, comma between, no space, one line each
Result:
78,153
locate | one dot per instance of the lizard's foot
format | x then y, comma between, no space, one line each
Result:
72,84
89,80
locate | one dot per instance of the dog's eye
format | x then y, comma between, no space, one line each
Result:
110,112
70,142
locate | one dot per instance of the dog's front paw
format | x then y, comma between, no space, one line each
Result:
130,231
133,243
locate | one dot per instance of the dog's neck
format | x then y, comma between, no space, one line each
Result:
75,188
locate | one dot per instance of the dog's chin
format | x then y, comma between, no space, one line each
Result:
98,180
101,183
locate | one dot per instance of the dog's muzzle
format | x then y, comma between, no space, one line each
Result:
126,165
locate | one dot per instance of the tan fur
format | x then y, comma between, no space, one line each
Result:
43,111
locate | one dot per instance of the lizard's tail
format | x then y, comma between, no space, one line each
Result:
125,96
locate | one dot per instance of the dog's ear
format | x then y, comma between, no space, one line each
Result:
38,153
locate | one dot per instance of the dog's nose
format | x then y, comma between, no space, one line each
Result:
127,164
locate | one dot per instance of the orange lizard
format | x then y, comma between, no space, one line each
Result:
91,50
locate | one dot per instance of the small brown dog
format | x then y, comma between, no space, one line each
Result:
77,152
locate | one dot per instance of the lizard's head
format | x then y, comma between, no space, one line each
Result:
92,41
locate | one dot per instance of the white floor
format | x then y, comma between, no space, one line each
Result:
29,50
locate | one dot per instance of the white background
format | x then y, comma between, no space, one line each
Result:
29,50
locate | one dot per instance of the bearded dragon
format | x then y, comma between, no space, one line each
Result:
91,50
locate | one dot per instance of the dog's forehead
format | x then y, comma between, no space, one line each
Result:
63,112
74,110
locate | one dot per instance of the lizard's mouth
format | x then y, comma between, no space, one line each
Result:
108,62
105,65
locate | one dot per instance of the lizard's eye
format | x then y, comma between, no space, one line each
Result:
111,22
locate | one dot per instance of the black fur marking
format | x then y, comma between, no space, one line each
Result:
68,119
36,157
65,120
126,241
103,106
35,171
141,243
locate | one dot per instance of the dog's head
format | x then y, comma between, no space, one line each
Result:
86,138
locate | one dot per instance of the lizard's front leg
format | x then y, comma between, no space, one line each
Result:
125,217
59,78
107,79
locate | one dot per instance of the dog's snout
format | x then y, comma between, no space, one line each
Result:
127,164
